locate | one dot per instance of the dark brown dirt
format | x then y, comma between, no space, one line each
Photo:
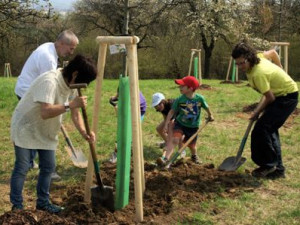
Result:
170,196
231,82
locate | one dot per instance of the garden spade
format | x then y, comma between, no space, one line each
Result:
99,194
77,156
234,162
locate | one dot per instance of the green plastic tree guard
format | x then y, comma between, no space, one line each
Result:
196,67
124,138
233,72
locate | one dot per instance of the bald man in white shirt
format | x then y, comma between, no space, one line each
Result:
43,59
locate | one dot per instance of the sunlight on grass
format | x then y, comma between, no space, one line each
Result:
198,218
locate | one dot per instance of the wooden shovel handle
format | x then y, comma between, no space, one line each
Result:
92,145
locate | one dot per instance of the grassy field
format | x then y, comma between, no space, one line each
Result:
272,203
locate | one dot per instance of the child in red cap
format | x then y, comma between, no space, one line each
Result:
187,109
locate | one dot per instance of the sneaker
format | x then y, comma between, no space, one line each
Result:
34,165
262,171
276,174
113,158
17,208
183,154
55,177
51,208
162,144
161,161
195,159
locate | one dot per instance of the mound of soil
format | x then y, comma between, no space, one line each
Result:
231,82
205,87
167,195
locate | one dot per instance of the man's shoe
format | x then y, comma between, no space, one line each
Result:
34,165
276,174
262,171
51,208
113,158
195,159
17,208
55,177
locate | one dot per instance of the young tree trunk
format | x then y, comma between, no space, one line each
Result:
208,49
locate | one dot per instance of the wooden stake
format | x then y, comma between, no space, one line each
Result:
7,71
199,67
112,40
286,58
228,70
97,100
135,115
285,46
191,62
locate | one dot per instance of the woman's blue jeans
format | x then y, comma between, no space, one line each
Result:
22,165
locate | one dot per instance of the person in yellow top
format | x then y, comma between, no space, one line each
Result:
279,99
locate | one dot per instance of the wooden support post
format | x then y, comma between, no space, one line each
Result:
193,51
286,58
136,123
191,63
228,70
285,46
7,70
199,67
140,132
97,100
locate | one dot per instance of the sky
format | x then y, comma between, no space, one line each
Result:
62,5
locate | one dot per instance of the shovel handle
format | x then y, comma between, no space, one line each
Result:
92,145
186,144
243,143
68,140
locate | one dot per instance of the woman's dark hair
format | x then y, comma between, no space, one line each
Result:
243,49
85,67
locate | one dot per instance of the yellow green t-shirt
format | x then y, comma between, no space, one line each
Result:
266,76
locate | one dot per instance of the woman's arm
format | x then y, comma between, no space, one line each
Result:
265,100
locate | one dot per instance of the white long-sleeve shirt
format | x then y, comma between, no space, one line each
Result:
41,60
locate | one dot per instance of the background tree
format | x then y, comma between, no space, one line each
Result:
17,21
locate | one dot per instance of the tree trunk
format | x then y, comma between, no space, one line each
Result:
208,49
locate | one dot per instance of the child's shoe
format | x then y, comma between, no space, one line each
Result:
183,154
162,144
195,159
113,158
161,161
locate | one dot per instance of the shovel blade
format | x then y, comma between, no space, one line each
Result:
80,159
230,164
103,196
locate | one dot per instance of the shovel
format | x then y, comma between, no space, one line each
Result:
175,156
76,155
234,162
99,194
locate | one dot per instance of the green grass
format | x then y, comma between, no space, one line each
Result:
274,202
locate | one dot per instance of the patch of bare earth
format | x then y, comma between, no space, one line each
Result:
170,196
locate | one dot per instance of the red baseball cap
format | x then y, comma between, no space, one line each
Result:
188,81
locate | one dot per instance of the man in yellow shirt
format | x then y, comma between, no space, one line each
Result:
279,99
